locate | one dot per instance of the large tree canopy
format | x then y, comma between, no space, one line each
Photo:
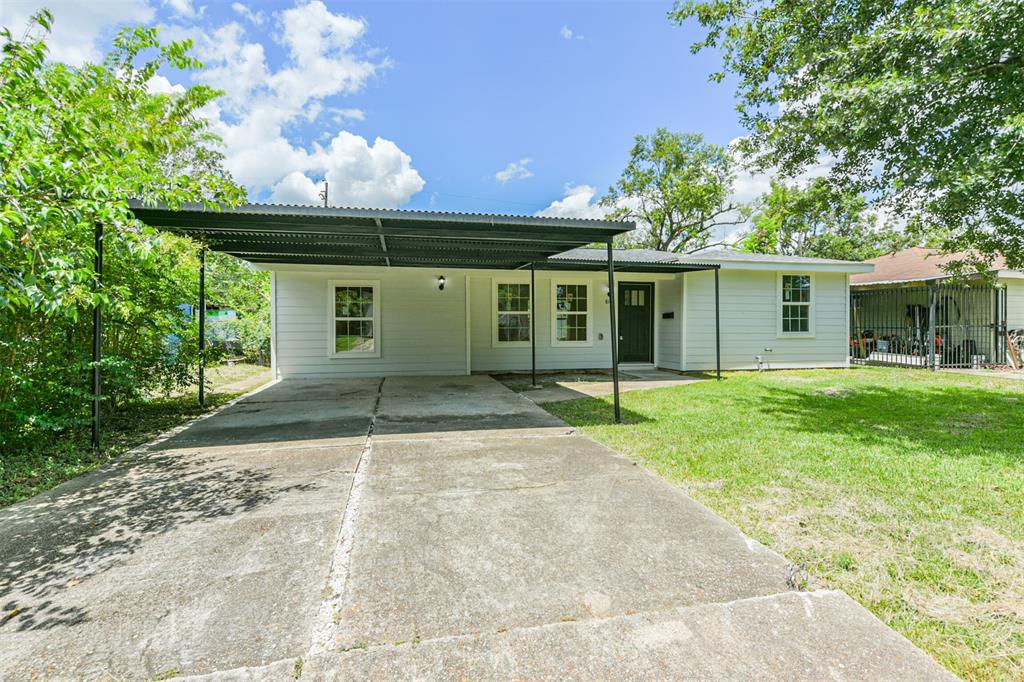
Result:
75,145
676,186
818,222
920,103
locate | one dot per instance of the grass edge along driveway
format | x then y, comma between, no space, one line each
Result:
901,487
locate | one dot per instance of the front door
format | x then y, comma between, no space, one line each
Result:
636,322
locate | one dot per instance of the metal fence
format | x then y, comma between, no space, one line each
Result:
937,325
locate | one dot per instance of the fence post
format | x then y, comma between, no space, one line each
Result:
932,310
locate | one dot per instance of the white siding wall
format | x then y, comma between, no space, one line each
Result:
749,311
486,357
1014,303
669,299
422,329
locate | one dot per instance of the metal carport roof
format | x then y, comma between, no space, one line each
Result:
263,233
271,233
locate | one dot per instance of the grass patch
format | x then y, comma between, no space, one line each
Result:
225,374
54,458
901,487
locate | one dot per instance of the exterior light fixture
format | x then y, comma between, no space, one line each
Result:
440,283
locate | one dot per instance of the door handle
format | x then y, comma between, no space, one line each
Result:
620,338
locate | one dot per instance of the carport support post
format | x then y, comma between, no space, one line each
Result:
533,326
202,326
97,334
614,332
718,332
932,310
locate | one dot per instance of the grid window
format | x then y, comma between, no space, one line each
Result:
571,303
796,304
513,310
354,319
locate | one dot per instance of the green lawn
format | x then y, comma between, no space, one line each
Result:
53,459
905,488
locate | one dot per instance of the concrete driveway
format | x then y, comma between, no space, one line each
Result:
409,528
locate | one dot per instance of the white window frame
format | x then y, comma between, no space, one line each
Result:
331,318
577,281
809,334
495,282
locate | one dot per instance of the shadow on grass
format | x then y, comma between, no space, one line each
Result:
594,412
951,420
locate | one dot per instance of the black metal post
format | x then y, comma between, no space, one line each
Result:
614,332
97,335
533,326
933,309
202,326
718,332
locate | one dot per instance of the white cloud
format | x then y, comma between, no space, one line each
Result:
77,25
159,85
257,17
568,34
323,60
342,115
359,174
515,170
182,7
580,201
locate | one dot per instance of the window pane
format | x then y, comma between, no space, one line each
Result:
353,335
571,297
513,327
514,297
796,288
571,327
796,318
353,302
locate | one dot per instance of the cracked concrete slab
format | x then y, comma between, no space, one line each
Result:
431,408
790,636
475,536
194,559
490,543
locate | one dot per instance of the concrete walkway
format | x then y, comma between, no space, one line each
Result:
633,380
406,529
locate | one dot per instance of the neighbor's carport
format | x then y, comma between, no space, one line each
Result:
275,234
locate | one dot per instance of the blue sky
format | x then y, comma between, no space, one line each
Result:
493,107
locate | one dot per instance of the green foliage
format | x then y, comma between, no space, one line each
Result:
234,284
921,104
75,145
819,222
676,187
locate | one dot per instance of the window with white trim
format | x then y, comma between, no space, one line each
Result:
512,312
355,324
796,305
570,308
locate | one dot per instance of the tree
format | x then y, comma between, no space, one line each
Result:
75,145
817,221
236,285
920,104
676,186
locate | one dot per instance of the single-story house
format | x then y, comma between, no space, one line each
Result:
369,321
907,308
360,292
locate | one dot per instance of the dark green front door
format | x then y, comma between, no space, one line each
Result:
636,322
